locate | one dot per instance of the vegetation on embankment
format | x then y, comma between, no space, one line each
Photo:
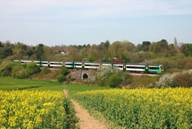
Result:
142,108
172,56
17,70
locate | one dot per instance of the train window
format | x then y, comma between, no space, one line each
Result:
155,68
91,65
134,67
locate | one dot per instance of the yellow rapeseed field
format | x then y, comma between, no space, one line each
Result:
143,108
31,109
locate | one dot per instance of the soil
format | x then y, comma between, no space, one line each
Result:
86,121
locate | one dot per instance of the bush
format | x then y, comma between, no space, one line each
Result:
180,79
61,78
17,70
6,68
103,75
115,80
24,71
32,68
183,80
63,75
142,81
112,77
45,70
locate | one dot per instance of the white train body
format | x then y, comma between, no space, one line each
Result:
87,65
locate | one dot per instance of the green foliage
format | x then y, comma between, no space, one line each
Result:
5,52
115,80
187,49
6,68
32,68
17,70
63,75
40,51
45,70
107,76
8,83
170,55
70,120
61,78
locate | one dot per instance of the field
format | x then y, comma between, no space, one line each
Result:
142,108
31,109
7,83
41,104
37,104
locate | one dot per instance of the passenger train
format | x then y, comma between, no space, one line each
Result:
138,68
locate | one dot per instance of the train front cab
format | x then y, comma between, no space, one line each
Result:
154,69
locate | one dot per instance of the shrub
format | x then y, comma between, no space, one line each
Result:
19,71
183,80
61,78
24,71
112,77
103,75
63,75
180,79
115,80
32,68
45,70
143,81
6,68
64,71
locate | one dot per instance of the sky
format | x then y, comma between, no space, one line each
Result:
64,22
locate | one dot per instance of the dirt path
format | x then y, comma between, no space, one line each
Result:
86,121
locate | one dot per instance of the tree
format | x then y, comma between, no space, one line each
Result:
160,47
39,51
1,44
20,50
186,49
29,52
145,45
5,52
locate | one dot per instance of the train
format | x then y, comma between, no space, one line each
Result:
136,68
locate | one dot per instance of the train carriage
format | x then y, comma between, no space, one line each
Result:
138,68
91,65
156,69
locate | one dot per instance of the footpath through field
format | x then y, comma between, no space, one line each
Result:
86,121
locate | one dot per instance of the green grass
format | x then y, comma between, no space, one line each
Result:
7,83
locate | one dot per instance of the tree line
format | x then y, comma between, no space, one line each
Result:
168,54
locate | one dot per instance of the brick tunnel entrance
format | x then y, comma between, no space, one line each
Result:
85,76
